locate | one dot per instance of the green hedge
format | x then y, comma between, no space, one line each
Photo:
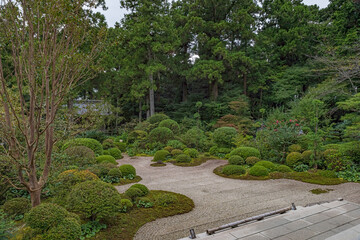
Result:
252,160
283,169
267,164
87,142
233,170
183,158
246,152
106,159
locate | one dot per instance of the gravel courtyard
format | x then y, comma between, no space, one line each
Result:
220,200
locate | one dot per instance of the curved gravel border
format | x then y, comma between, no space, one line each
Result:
221,200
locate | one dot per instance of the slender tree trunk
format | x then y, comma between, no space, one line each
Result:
184,91
245,84
35,197
214,90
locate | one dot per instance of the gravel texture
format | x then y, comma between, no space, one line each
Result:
221,200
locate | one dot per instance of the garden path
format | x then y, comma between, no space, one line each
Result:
221,200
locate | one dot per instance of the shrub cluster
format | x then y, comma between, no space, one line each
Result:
87,142
161,135
161,156
115,152
171,124
81,155
293,159
224,136
134,193
283,169
165,200
245,152
183,158
16,208
157,118
233,170
142,187
102,169
127,170
176,152
68,228
267,164
176,144
295,148
106,159
236,160
252,160
108,143
258,171
192,152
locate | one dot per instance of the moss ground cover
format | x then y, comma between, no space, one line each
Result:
125,225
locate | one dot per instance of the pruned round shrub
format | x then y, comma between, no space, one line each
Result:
252,160
87,142
233,170
142,187
17,207
157,118
176,144
166,199
306,155
183,158
115,172
284,169
267,164
258,171
176,152
68,228
171,124
245,152
126,205
194,138
295,148
121,146
192,152
81,155
168,148
161,135
224,136
293,159
106,159
236,160
127,170
134,193
46,215
108,143
115,152
94,200
102,169
161,155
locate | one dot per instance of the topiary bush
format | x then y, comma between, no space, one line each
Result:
195,138
87,142
16,208
294,148
115,152
108,143
101,169
134,193
258,171
192,152
183,158
81,155
252,160
171,124
126,205
121,146
161,135
267,164
176,152
233,170
161,156
245,152
283,169
168,148
306,155
293,159
236,160
68,228
127,170
47,215
106,159
166,199
224,136
157,118
142,187
115,173
94,200
176,144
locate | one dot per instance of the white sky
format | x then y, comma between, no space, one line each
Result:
115,13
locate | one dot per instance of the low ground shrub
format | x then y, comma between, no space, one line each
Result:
245,152
87,142
161,135
94,200
115,152
258,171
294,148
161,156
192,152
127,170
267,164
68,228
252,160
171,124
283,168
293,159
233,170
236,160
165,200
106,159
176,152
134,193
47,215
16,208
176,144
183,158
142,187
224,136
